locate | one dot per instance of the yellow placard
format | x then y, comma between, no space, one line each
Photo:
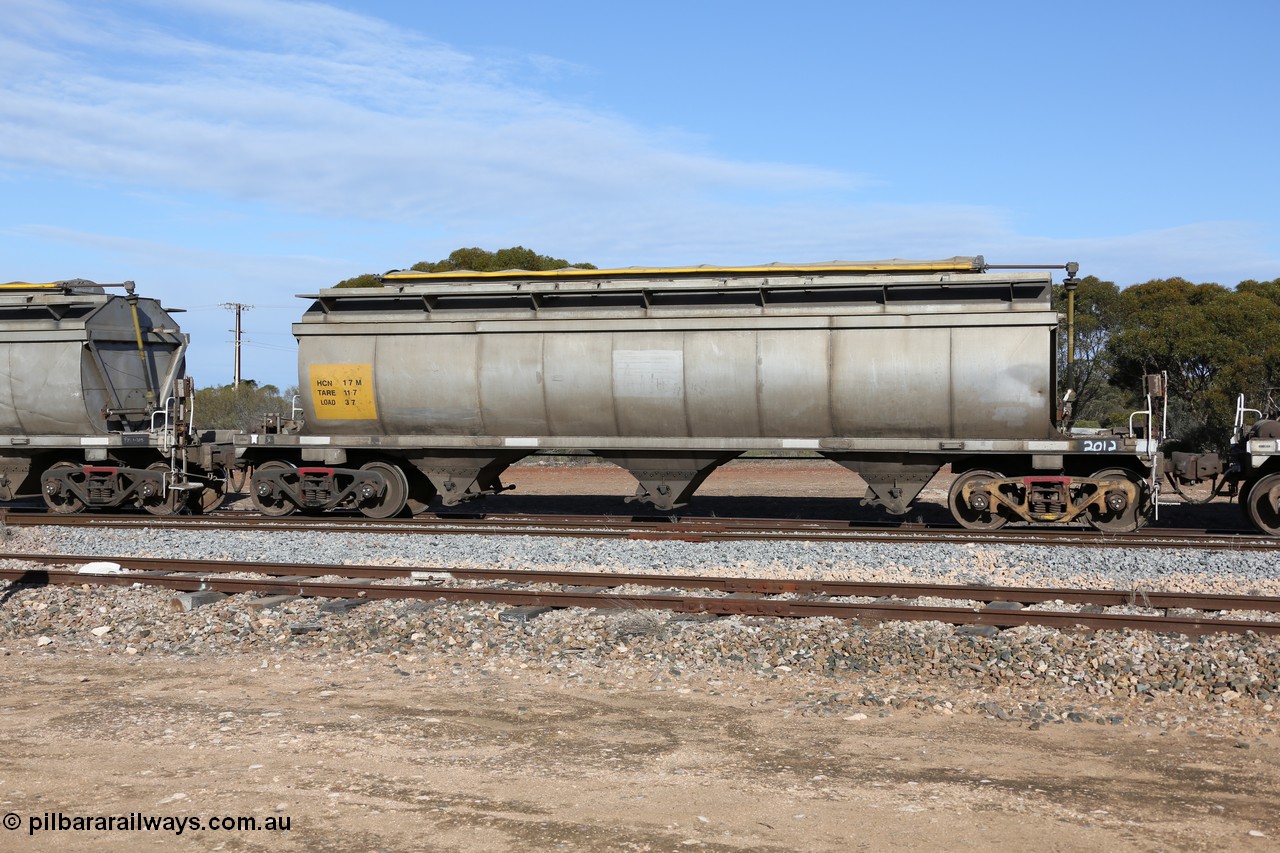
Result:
343,392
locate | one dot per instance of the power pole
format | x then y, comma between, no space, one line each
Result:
238,308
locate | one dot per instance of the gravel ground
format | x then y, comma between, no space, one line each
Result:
400,725
1109,568
1220,684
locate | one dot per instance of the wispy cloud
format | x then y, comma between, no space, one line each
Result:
324,111
302,107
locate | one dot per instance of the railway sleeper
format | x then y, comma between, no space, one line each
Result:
269,602
528,612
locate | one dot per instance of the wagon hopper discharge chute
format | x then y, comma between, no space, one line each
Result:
436,382
94,409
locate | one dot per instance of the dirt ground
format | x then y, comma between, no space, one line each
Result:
414,755
400,753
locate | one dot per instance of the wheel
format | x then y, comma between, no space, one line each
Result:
265,496
1243,488
1130,516
63,502
392,501
976,512
212,495
1262,503
421,492
172,500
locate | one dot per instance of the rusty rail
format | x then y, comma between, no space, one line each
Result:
749,596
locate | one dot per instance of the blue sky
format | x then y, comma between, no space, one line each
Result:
249,150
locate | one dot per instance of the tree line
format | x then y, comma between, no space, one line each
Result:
1214,342
244,407
477,260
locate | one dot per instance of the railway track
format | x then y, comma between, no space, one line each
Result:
663,528
1002,607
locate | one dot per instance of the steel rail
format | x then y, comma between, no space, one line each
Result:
761,586
679,603
682,529
215,576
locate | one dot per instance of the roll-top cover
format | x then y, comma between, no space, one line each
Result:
955,284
